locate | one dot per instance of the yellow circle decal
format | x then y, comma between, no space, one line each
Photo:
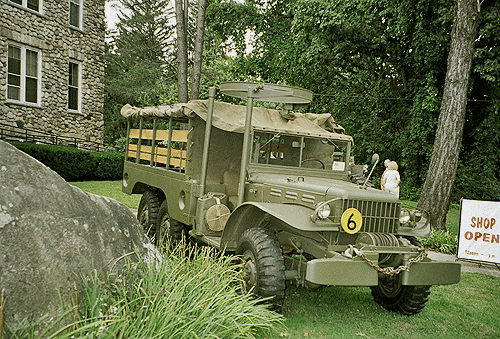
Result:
351,221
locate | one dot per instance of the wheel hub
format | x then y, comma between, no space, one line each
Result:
249,270
390,287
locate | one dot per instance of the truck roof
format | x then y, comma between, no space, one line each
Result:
231,118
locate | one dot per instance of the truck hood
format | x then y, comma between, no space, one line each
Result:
326,187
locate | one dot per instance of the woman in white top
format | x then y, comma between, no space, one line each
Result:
391,179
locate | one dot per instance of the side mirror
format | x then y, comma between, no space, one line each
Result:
375,158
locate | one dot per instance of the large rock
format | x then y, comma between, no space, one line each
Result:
52,233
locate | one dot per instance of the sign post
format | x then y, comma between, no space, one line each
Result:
479,236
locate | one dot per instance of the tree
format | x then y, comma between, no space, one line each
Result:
182,28
181,16
435,196
139,61
198,49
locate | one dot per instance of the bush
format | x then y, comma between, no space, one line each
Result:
442,241
76,165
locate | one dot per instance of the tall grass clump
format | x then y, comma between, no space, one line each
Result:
442,241
184,296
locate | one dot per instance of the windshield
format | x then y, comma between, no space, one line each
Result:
298,151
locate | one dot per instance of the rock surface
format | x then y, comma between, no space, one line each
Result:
52,233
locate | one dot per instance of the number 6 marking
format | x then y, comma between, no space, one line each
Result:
351,221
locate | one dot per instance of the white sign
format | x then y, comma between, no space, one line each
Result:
479,237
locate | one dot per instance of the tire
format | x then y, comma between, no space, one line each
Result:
407,300
168,229
264,266
147,213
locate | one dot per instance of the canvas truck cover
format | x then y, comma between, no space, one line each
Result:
231,118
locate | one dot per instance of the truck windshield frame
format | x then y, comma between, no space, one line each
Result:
298,151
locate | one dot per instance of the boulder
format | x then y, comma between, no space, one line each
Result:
52,233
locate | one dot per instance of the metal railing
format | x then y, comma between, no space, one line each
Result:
14,133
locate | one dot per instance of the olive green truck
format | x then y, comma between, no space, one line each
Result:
276,188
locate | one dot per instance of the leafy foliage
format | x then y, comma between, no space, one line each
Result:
378,67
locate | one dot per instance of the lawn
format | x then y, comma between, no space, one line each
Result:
111,189
468,309
464,310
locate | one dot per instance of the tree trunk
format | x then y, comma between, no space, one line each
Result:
198,50
182,57
435,196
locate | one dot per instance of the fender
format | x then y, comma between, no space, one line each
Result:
250,214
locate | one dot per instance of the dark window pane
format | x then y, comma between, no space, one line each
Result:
73,74
31,90
73,98
19,2
14,66
31,63
13,93
14,60
14,52
33,4
14,80
74,14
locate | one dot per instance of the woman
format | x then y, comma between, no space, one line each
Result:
391,179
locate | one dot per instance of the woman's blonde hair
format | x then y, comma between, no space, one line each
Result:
393,166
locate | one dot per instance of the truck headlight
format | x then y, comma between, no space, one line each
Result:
404,217
324,211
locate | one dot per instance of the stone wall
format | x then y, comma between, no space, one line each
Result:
49,32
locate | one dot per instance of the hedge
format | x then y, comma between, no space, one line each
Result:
76,165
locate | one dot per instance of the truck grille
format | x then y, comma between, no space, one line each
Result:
381,217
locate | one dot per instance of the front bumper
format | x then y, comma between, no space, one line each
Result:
341,271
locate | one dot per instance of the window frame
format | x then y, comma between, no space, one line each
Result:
79,3
23,75
78,87
272,152
24,5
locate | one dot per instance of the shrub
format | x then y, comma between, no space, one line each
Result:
442,241
76,165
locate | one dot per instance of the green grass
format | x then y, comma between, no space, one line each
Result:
456,311
111,189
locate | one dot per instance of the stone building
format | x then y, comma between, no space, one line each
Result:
52,66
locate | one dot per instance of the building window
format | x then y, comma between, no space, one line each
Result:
74,86
75,13
23,74
30,4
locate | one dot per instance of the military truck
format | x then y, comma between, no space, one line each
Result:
276,188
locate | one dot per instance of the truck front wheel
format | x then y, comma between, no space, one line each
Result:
407,300
264,266
147,213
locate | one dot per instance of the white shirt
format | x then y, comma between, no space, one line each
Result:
391,179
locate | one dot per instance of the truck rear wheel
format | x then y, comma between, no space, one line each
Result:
264,266
167,228
147,213
407,300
